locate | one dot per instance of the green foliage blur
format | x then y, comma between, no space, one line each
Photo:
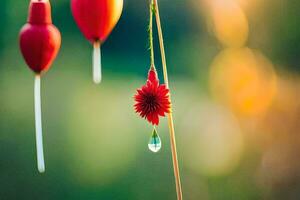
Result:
96,146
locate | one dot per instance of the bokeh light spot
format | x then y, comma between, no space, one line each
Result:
214,139
243,79
229,23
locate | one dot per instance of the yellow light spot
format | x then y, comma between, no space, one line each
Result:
244,80
229,22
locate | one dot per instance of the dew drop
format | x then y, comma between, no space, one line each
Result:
155,142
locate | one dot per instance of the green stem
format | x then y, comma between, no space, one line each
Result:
151,35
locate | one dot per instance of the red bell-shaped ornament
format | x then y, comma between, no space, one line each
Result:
96,19
39,43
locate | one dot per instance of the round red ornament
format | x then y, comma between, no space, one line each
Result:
39,43
96,19
39,38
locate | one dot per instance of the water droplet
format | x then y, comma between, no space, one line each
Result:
155,142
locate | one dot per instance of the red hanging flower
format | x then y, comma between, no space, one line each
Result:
152,99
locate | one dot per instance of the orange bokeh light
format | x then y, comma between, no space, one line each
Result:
244,80
229,23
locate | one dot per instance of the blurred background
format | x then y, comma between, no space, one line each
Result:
234,75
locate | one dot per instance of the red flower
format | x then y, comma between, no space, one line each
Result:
152,100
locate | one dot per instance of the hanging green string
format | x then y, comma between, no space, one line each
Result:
150,30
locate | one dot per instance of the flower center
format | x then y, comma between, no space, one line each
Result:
151,102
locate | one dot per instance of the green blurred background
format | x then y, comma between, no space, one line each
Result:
234,76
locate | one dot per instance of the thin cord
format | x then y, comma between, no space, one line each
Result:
170,116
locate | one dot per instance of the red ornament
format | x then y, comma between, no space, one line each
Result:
152,99
39,38
39,43
96,19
